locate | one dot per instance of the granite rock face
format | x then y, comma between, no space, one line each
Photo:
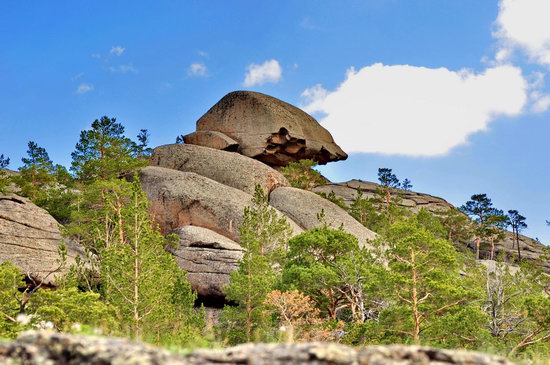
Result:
187,199
304,206
265,128
409,199
34,348
30,238
208,258
228,168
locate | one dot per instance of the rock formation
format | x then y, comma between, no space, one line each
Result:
265,128
30,238
227,168
186,199
409,199
531,249
34,348
303,207
208,257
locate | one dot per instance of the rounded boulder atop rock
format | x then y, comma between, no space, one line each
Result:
265,128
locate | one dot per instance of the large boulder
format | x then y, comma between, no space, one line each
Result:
30,239
303,207
62,348
265,128
208,257
187,199
228,168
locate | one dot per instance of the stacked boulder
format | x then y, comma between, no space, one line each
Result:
199,189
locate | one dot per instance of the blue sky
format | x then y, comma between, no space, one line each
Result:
450,94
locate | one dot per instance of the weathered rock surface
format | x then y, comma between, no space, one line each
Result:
265,128
228,168
187,199
530,249
303,207
35,348
409,199
208,257
30,238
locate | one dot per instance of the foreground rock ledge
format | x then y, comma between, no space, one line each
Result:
53,348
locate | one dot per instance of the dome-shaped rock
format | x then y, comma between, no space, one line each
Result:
303,207
228,168
265,128
30,239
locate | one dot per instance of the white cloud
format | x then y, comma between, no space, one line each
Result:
77,76
202,53
197,69
84,88
123,69
525,25
117,50
269,71
415,111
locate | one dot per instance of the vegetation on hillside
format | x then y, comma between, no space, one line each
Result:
414,284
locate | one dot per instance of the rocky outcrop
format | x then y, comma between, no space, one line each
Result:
227,168
208,258
35,348
30,238
531,249
408,199
303,207
187,199
264,128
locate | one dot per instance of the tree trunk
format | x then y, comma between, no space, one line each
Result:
517,243
478,243
414,300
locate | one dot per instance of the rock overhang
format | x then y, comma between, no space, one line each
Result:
265,128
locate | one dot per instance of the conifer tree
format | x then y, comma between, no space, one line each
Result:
46,184
140,278
426,284
406,185
517,222
263,235
489,220
142,148
103,151
4,163
329,266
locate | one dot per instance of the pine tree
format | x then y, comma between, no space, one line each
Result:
4,163
46,184
263,235
427,286
329,266
517,222
406,185
389,181
139,277
142,149
103,151
489,220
